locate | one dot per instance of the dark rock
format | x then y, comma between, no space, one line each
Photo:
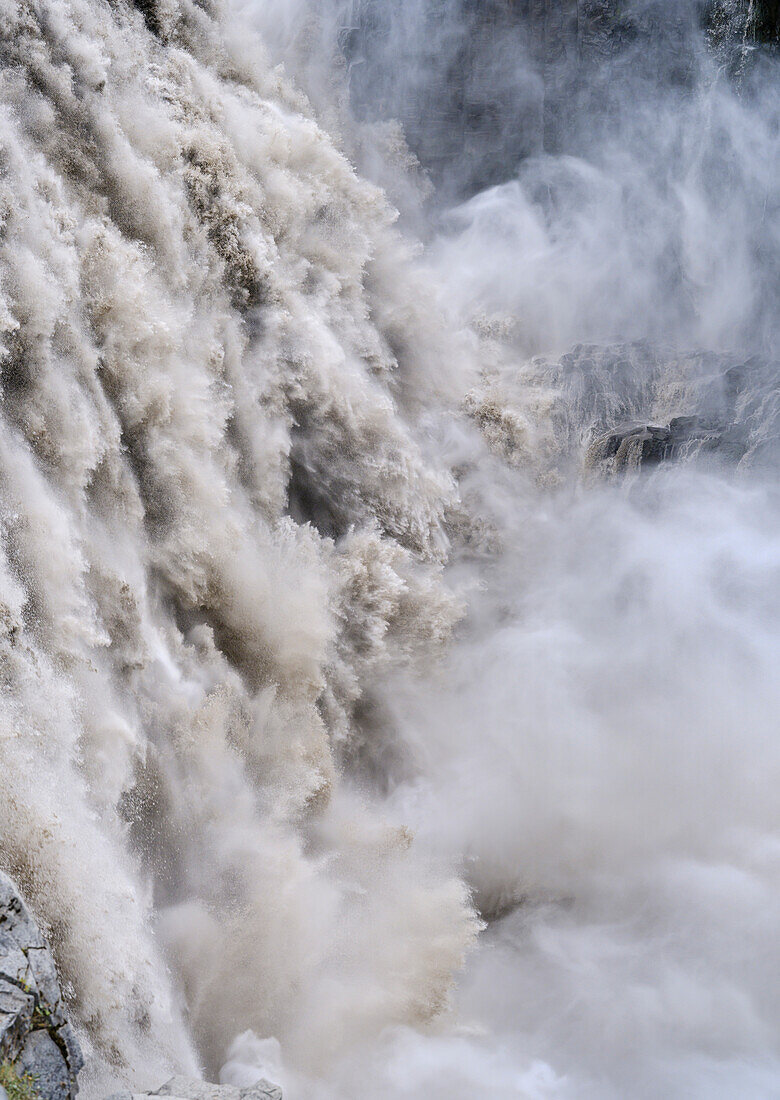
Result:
734,405
686,437
35,1036
631,405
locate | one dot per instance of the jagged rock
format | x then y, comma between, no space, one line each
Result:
685,437
734,412
43,1060
618,406
185,1088
35,1036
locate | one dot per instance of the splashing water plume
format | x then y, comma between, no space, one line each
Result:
374,717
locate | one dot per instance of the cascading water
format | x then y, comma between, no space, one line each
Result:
344,647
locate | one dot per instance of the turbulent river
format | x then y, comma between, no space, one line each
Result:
378,713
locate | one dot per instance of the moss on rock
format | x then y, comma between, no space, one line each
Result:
18,1086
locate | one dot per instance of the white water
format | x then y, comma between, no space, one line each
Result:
259,774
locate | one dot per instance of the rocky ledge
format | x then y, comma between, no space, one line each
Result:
184,1088
39,1054
685,437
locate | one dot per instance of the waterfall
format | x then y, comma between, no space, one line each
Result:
365,723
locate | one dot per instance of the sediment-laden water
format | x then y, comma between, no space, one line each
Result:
381,711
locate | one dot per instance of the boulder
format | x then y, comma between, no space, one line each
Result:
37,1045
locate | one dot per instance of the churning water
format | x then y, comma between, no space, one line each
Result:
354,728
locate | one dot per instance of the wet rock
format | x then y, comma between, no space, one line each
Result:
622,406
639,405
185,1088
35,1036
685,437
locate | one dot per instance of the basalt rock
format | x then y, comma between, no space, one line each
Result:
37,1044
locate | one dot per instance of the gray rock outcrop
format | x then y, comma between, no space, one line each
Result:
685,437
185,1088
631,406
728,412
37,1043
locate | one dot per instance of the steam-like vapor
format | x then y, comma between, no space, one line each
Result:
208,324
334,658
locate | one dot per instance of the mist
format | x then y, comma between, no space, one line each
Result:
390,565
597,754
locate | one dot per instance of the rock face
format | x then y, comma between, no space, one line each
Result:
622,407
732,416
35,1036
481,84
185,1088
685,437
